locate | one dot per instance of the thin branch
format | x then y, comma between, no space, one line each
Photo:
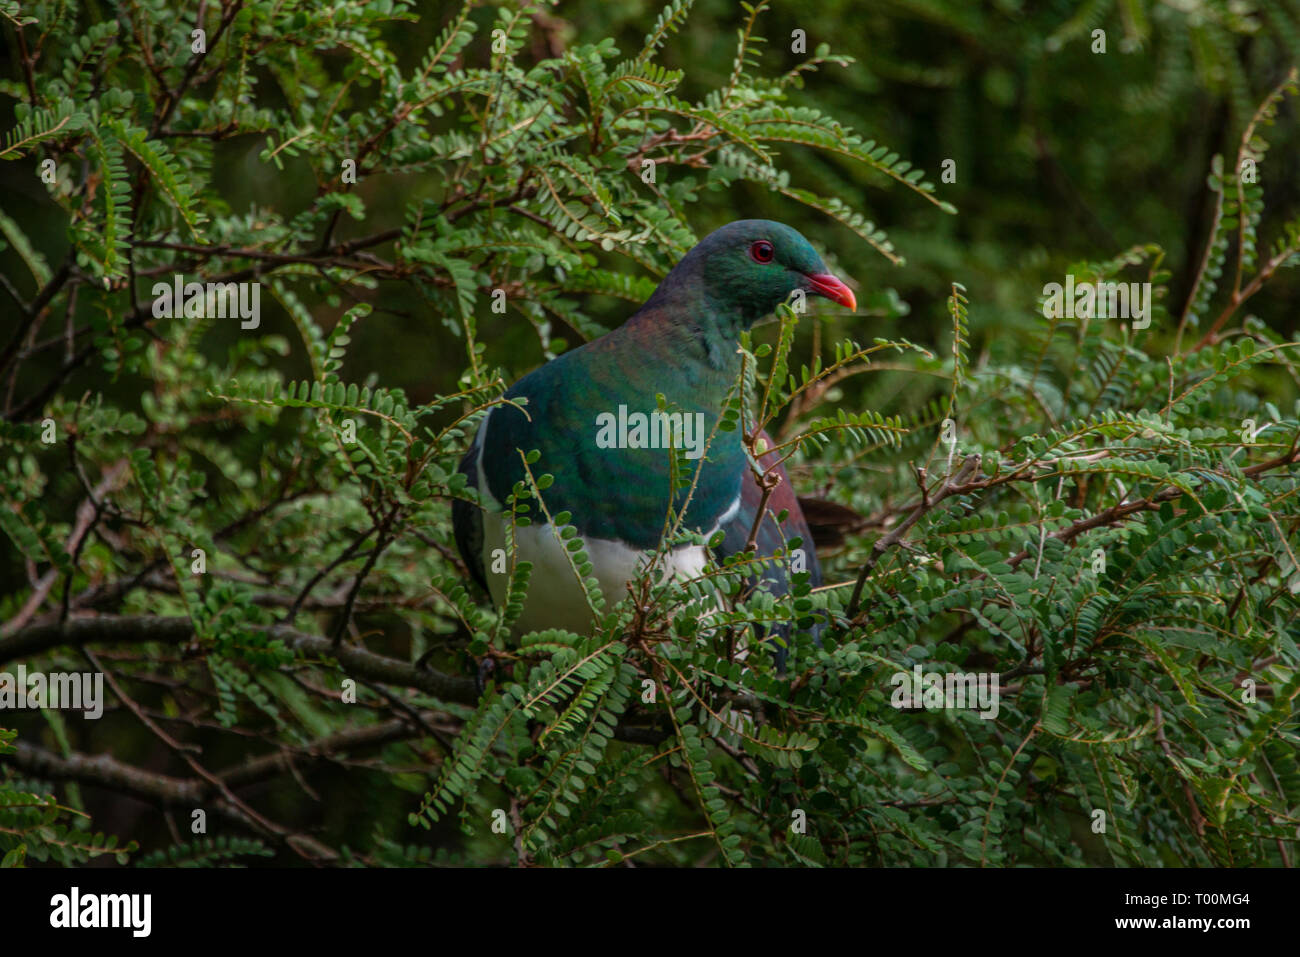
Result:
952,485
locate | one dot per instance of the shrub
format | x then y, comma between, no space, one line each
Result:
252,540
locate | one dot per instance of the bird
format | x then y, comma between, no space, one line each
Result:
590,414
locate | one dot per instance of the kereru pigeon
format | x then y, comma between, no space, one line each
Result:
590,413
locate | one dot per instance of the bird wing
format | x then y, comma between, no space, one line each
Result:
772,537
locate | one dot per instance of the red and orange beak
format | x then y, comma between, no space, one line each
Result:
833,288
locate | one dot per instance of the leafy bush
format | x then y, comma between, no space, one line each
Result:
251,538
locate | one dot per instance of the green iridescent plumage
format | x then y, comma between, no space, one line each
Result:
681,345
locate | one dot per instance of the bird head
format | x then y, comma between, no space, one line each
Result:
749,267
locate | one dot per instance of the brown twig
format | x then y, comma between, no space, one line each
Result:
954,484
1198,819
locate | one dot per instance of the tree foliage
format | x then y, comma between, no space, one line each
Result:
248,531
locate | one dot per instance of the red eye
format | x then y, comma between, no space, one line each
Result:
762,251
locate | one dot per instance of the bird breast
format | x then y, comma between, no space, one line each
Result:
555,599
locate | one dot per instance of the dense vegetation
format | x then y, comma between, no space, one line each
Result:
245,527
